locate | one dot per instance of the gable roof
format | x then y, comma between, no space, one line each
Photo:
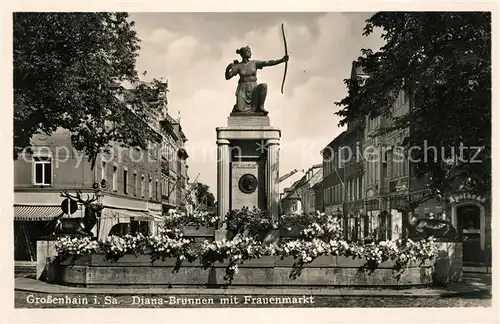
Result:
316,177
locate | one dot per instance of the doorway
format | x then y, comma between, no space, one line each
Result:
469,230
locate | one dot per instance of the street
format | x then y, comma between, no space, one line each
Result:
127,301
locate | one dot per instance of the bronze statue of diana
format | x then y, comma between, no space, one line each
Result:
250,96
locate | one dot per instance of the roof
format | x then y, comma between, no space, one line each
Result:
314,179
292,195
336,140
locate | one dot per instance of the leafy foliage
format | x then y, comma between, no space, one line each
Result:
319,237
68,71
442,61
203,195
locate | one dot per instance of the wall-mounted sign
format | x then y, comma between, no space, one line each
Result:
398,185
69,206
459,197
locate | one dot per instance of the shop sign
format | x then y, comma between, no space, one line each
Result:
467,196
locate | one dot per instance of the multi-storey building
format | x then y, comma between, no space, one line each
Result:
131,194
301,196
333,176
318,195
174,164
394,194
130,183
343,185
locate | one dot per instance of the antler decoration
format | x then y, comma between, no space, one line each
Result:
286,53
78,198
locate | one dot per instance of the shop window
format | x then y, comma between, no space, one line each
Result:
42,170
120,229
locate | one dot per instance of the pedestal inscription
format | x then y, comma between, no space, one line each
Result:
244,184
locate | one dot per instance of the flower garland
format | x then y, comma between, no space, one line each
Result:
319,235
179,219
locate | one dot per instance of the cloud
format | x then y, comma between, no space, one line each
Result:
160,37
321,54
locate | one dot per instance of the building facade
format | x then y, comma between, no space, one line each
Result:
343,180
130,183
174,164
393,194
301,198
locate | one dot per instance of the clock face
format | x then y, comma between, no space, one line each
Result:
247,183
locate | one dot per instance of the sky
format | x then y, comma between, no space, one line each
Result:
192,50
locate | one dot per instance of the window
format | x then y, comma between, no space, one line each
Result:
135,183
366,226
385,170
156,191
360,187
115,178
43,170
385,228
150,188
103,171
125,181
355,189
142,185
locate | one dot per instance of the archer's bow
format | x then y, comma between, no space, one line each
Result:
286,53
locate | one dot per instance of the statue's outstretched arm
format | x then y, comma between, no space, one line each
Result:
263,64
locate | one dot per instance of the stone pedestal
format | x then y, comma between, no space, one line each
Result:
248,165
46,254
448,267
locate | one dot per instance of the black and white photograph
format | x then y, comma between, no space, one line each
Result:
252,160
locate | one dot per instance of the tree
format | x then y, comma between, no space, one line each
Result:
68,71
203,195
442,61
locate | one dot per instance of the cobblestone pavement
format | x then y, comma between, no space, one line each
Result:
473,291
29,300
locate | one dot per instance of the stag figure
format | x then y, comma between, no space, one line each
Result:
91,213
424,228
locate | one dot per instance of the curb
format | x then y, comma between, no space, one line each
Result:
213,292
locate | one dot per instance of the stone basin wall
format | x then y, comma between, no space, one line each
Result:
130,270
140,271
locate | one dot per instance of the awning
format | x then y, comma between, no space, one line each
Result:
36,213
125,216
